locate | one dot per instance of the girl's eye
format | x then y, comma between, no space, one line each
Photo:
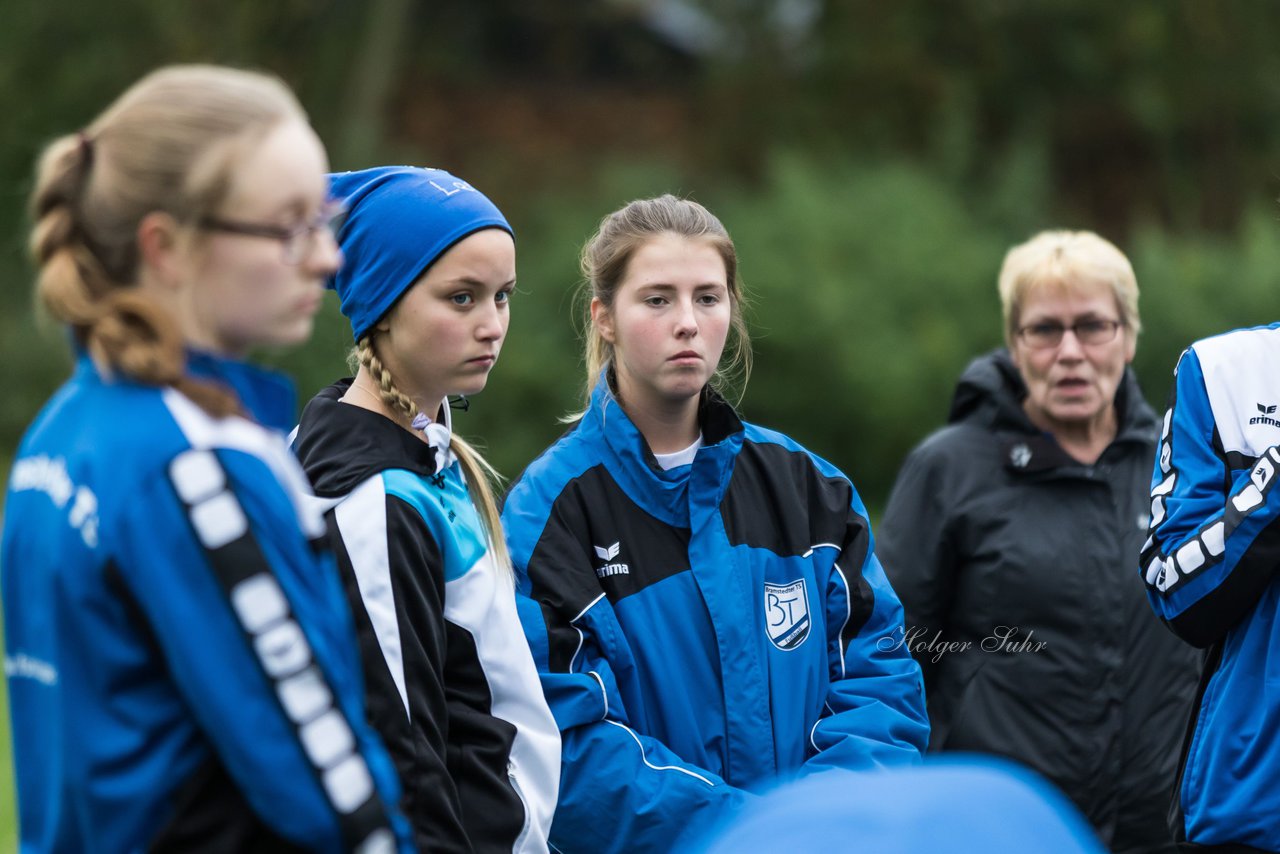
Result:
709,299
461,299
655,301
502,297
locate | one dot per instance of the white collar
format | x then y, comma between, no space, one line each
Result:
681,457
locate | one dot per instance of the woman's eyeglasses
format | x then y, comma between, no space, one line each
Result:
296,242
1042,336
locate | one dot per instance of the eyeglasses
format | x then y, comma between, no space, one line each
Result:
296,242
1043,336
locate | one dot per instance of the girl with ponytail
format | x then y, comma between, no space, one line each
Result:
713,617
180,667
452,685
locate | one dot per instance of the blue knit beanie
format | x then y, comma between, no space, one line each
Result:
399,220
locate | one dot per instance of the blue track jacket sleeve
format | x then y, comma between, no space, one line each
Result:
250,619
875,711
620,790
1214,542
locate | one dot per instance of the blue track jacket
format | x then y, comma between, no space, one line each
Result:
703,631
182,667
1210,568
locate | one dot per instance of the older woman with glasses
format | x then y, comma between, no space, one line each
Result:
1012,537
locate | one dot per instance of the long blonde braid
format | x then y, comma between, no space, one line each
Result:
483,480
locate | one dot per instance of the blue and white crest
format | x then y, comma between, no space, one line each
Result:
786,614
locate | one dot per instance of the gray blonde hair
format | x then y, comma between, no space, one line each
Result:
1066,259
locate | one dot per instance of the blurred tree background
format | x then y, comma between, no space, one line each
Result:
873,161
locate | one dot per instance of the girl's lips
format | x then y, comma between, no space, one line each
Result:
310,304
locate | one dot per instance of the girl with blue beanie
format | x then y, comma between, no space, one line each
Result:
451,683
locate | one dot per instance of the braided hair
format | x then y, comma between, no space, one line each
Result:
483,480
170,143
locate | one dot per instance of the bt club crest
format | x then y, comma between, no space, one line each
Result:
786,614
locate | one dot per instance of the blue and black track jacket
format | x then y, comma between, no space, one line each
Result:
706,630
1210,568
182,667
452,687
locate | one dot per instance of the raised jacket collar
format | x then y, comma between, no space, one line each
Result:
632,464
266,395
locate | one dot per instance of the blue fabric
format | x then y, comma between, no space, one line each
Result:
463,543
1210,570
128,669
958,805
399,220
266,395
676,706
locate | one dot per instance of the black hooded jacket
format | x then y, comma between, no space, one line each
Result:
450,683
1018,569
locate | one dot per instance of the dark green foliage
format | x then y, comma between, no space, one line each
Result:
871,286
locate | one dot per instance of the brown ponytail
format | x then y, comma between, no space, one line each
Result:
162,146
604,261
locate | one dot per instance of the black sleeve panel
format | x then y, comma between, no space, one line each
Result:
417,740
779,500
1210,619
916,550
597,541
479,746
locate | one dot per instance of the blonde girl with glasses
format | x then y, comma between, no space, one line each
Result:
182,670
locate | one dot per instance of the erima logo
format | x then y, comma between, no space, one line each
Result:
1263,418
606,554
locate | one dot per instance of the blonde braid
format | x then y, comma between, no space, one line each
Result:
69,281
483,480
397,400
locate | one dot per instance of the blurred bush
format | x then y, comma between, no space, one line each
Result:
871,286
873,163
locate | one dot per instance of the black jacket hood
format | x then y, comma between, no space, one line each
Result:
341,446
990,393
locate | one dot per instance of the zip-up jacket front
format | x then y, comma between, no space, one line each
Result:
1014,562
1210,569
452,686
182,672
702,631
